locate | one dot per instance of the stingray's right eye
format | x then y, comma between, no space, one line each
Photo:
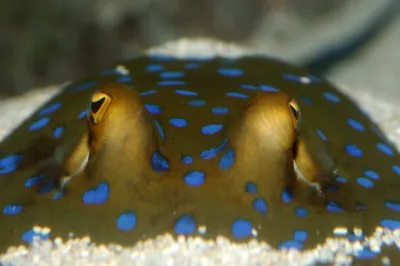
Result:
296,113
98,106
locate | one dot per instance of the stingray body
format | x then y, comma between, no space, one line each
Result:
244,148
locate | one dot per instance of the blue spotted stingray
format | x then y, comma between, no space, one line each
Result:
244,148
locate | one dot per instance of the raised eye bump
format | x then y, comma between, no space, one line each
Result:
296,113
98,106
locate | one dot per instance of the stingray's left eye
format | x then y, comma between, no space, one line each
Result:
296,114
98,106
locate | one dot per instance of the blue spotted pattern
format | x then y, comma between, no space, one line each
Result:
12,209
126,221
212,152
187,159
153,108
211,129
186,92
227,159
9,164
50,109
230,72
178,122
331,97
39,124
220,110
195,178
159,162
185,225
97,195
353,150
260,205
29,236
242,228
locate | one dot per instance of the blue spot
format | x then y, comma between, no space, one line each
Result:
290,244
186,93
331,97
126,221
161,57
34,181
264,87
236,95
371,174
28,236
154,68
227,159
395,206
333,207
230,72
249,87
124,79
194,178
220,110
160,130
396,169
353,237
212,152
172,74
306,100
366,254
197,102
341,179
171,83
385,149
260,205
355,124
251,188
84,86
365,182
9,164
192,66
301,212
211,129
82,115
159,162
57,132
46,188
150,92
50,109
178,122
353,150
321,135
292,77
241,228
12,209
153,108
287,195
39,124
300,235
390,224
185,225
97,195
57,195
187,159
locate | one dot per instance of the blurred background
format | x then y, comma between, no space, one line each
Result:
51,41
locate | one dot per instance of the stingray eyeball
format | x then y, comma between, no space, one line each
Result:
296,114
98,106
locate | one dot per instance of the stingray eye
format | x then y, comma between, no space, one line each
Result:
98,106
296,114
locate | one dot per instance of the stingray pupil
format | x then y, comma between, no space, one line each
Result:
96,105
